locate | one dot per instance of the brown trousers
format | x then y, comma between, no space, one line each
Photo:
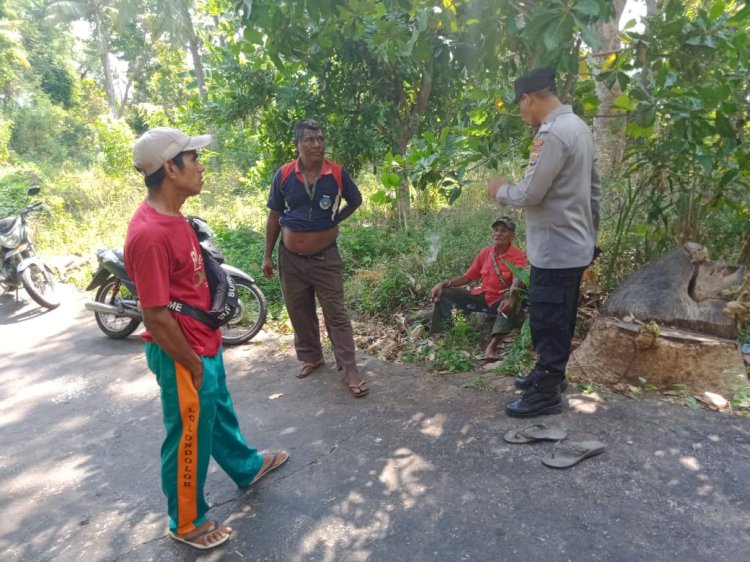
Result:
302,279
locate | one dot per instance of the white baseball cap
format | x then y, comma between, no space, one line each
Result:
156,147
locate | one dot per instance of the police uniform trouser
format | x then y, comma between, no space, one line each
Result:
553,305
198,425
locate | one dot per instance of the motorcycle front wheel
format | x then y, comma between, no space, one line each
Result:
249,317
41,286
115,293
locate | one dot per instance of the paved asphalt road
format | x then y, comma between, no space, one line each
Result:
416,471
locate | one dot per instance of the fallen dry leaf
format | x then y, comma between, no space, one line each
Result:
716,400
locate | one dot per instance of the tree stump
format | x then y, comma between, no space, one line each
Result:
681,289
616,352
666,324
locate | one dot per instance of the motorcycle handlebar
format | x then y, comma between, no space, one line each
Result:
31,207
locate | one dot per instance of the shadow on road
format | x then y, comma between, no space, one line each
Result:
418,470
17,310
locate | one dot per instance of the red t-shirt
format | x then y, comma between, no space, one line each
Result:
163,258
483,269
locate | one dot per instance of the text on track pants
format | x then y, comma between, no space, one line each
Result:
198,425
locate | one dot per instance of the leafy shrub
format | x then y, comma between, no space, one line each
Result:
518,359
454,352
114,139
453,360
89,210
47,133
14,183
379,291
741,400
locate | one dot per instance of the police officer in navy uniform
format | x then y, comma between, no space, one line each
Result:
560,192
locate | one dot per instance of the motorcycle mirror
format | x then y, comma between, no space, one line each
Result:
34,190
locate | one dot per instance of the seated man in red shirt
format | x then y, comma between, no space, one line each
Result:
497,295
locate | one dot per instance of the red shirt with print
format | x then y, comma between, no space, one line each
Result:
483,269
163,258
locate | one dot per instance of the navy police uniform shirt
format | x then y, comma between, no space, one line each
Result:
299,211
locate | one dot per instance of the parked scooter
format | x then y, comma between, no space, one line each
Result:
118,312
20,264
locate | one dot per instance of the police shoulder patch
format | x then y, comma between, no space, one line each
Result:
536,150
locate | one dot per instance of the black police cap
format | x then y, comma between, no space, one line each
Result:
534,81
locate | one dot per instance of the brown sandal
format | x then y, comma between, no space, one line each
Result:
200,539
308,368
359,390
277,459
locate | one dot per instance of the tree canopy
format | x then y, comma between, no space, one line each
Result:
418,91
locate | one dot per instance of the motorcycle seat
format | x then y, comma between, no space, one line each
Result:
112,259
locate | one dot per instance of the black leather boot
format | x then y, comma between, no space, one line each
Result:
526,381
544,397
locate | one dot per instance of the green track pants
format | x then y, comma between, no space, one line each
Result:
198,425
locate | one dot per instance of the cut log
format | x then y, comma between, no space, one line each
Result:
616,352
680,289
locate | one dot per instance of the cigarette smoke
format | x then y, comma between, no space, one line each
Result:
433,249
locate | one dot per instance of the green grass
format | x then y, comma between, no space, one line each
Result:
741,400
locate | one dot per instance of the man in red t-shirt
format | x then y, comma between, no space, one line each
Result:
496,296
163,257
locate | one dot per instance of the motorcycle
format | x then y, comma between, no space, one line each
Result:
20,264
118,312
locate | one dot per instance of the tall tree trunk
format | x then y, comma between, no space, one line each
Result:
222,42
411,117
200,78
133,75
403,195
109,83
195,53
744,258
610,143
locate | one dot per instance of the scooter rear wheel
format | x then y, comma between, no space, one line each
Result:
249,317
114,293
41,286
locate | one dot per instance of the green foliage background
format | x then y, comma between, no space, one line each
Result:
415,97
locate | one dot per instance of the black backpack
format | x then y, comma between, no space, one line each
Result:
224,299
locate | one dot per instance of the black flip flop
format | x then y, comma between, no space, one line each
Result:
535,433
570,453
